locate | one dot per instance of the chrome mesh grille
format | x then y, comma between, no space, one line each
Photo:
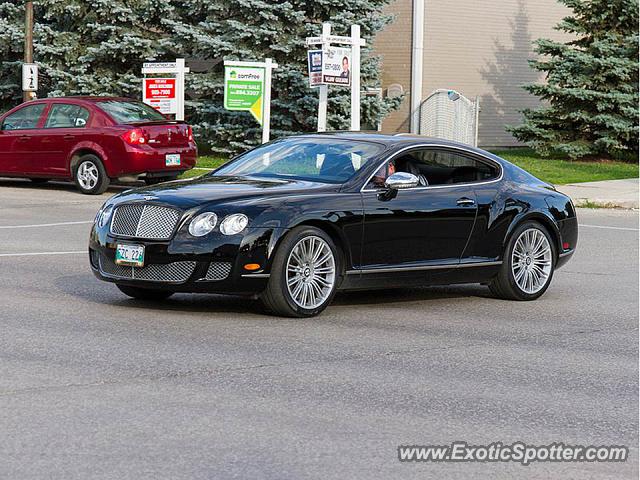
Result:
218,271
176,272
144,221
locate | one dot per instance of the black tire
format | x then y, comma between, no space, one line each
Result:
91,187
504,284
144,293
156,180
39,181
276,298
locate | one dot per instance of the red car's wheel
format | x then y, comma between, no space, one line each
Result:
90,176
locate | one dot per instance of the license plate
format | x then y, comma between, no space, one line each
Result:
130,255
172,159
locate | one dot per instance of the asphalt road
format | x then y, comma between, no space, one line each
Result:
94,385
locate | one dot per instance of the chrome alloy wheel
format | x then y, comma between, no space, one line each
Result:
531,261
87,175
311,272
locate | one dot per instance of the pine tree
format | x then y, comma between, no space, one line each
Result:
591,87
257,29
11,53
97,48
82,48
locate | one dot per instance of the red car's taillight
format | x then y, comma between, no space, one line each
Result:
135,137
190,133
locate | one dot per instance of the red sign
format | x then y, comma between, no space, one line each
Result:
160,93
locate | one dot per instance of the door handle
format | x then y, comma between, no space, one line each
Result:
465,201
24,138
69,137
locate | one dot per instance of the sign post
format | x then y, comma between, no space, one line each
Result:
247,87
341,66
165,94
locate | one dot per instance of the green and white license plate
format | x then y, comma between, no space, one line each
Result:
130,255
172,159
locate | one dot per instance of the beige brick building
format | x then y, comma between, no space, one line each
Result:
477,47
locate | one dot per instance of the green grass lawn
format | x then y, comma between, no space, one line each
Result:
559,172
552,170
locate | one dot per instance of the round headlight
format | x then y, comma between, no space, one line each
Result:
234,224
104,216
203,224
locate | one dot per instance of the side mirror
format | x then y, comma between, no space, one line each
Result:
401,180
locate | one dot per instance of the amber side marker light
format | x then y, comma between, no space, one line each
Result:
252,266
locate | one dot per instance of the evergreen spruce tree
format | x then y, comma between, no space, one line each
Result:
257,29
591,88
97,48
11,53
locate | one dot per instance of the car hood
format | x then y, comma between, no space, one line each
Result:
198,191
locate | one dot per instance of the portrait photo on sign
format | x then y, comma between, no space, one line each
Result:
336,66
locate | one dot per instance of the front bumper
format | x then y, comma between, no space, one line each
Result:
210,264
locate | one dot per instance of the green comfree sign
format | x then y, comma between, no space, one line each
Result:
244,89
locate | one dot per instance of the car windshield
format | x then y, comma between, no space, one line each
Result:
313,159
130,112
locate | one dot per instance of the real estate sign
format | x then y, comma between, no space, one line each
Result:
336,66
314,61
160,93
244,89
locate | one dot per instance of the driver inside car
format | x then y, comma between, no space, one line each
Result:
384,172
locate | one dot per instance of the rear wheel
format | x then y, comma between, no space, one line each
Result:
528,264
90,176
304,275
144,293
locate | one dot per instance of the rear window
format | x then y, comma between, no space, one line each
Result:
130,112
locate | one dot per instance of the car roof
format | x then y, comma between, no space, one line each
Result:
401,140
83,98
388,139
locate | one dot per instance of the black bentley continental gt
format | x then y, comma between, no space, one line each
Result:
295,220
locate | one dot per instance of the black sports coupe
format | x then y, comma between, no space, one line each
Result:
297,219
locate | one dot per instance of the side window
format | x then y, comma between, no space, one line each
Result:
444,167
63,115
24,119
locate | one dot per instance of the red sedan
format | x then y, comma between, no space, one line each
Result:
93,140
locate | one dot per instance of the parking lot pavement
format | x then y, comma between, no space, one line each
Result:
93,384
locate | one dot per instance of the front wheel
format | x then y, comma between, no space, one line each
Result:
528,264
304,274
90,176
144,293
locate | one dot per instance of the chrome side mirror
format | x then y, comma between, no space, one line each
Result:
401,180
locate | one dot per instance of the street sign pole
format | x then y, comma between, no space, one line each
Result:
355,78
180,71
28,44
323,90
266,125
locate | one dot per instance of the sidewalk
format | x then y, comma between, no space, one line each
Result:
610,193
